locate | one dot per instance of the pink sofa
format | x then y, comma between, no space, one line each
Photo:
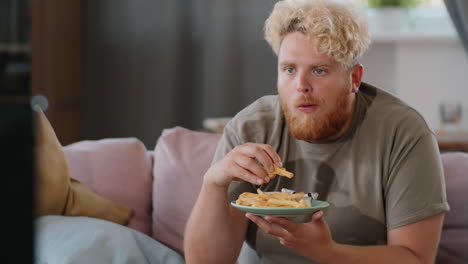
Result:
161,185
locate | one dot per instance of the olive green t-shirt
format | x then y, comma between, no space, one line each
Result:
383,173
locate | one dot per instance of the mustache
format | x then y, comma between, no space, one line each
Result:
307,100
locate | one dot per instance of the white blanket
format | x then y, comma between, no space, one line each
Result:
65,239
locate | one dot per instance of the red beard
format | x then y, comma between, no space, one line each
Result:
319,127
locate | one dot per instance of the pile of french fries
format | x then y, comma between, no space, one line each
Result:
276,199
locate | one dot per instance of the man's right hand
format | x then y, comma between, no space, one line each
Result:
241,164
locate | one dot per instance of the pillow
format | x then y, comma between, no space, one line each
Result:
65,239
119,169
56,192
181,158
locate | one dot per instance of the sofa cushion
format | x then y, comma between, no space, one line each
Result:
181,158
452,246
454,238
59,194
119,169
456,181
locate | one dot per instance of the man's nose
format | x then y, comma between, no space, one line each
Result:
302,84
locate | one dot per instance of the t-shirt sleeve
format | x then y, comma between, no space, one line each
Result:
229,141
415,188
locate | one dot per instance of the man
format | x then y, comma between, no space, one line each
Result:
372,157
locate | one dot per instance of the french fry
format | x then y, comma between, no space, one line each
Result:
282,203
249,201
261,194
280,171
303,203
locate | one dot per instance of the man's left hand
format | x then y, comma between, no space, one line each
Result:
312,239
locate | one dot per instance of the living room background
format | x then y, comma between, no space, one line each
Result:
150,65
133,68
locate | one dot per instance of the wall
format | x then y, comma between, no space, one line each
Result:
431,73
422,67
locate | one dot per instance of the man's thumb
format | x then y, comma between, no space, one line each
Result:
317,216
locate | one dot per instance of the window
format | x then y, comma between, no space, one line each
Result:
437,4
429,17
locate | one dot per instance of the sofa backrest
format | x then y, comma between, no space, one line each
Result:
181,158
454,239
119,169
456,183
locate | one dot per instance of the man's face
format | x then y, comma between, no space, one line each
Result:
316,92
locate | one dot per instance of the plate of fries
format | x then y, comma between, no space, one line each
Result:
278,203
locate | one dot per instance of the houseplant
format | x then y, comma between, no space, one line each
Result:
394,3
391,15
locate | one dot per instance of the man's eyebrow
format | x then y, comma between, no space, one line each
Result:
313,65
287,63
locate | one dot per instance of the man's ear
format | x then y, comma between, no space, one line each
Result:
356,77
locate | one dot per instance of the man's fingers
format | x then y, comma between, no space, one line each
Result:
282,241
246,175
252,166
290,226
269,228
317,216
273,155
264,153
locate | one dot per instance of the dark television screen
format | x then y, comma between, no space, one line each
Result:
17,141
15,47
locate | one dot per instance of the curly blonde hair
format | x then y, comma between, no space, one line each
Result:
339,30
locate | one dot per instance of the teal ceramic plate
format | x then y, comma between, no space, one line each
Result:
281,211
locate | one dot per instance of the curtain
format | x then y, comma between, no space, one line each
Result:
155,64
458,10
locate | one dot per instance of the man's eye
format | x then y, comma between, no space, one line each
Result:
319,71
290,70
